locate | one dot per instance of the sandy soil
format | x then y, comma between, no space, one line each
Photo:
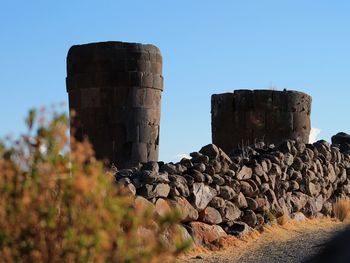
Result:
292,242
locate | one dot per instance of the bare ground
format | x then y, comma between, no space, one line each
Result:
292,242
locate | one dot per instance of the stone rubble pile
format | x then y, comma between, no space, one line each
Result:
219,194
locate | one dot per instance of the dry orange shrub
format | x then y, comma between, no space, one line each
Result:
342,209
60,205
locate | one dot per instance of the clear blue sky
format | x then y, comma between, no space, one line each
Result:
208,47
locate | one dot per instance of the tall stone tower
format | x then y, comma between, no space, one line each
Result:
115,88
245,116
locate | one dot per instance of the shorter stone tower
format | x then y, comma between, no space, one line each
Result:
115,88
246,116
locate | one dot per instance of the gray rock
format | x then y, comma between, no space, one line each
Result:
162,206
209,170
167,236
310,209
202,194
217,202
150,177
244,173
216,165
230,173
299,217
311,176
210,216
124,173
142,203
256,179
217,179
264,166
263,204
275,169
319,203
252,204
131,188
151,166
170,168
204,234
272,182
313,189
249,217
240,201
249,188
298,164
230,212
124,180
180,169
198,176
330,173
186,162
285,146
271,196
227,192
228,179
180,183
341,138
293,185
187,212
264,188
235,185
265,178
189,179
327,208
296,176
150,191
200,167
195,154
200,159
238,229
208,179
210,150
258,170
288,159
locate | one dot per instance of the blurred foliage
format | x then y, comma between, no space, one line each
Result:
59,204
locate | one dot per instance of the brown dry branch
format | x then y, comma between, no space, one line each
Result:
60,205
342,209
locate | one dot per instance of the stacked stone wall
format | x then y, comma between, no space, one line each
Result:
219,195
115,88
246,116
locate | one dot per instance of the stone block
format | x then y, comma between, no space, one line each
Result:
133,132
262,100
153,152
147,80
137,96
157,82
144,66
156,68
279,100
139,152
153,99
244,100
143,115
145,133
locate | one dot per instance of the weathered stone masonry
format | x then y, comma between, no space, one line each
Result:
247,116
115,89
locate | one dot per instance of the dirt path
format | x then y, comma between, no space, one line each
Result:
293,242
